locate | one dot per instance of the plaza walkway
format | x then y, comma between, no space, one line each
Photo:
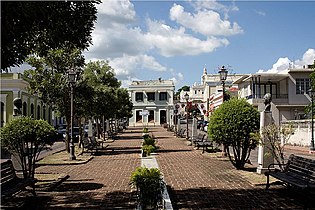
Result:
195,180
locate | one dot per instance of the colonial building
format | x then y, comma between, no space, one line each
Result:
289,91
153,102
14,86
208,94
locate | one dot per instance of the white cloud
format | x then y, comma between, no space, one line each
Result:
128,65
283,64
261,13
117,11
206,22
172,42
214,5
129,47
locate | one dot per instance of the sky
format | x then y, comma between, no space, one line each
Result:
147,40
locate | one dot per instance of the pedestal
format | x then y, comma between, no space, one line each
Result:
194,129
265,157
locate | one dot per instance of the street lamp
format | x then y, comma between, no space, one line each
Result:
186,98
312,93
72,76
223,74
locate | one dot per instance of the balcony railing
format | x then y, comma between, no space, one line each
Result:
274,96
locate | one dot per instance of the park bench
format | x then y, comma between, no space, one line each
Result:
181,133
200,137
298,172
111,135
204,144
11,184
88,145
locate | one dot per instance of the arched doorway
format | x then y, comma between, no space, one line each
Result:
24,109
2,115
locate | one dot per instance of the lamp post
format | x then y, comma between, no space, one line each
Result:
72,80
312,93
186,98
223,74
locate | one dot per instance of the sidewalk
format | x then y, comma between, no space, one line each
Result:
195,180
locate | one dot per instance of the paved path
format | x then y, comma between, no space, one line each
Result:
195,180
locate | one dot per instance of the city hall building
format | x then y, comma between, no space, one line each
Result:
153,102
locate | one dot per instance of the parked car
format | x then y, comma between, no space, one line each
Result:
204,126
76,134
61,131
199,123
86,130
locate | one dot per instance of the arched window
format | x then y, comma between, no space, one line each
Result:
38,112
32,111
2,115
44,112
24,109
49,115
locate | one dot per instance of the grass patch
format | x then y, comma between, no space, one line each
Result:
47,181
62,157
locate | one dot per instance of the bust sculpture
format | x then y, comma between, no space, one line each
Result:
267,102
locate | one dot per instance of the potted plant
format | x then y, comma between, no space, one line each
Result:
148,184
145,132
148,146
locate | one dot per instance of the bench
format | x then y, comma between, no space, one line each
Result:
298,172
200,137
88,146
181,133
204,144
11,184
111,135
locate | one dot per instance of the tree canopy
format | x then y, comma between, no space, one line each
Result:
35,27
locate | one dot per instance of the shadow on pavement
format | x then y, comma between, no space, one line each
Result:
81,200
208,198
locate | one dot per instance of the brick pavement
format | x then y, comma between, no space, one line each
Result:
195,180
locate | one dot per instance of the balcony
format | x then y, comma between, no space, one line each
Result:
276,99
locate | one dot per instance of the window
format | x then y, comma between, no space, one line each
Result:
139,96
163,96
302,85
151,96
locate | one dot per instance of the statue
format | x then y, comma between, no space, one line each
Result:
267,102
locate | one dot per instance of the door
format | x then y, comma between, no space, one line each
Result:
162,116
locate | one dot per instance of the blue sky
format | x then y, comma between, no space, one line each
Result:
144,40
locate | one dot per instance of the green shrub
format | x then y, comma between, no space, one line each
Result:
148,149
233,125
148,140
145,130
26,138
148,184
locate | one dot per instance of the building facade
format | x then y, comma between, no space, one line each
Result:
208,94
14,86
153,102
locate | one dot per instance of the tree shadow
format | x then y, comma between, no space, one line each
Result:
81,200
211,198
77,186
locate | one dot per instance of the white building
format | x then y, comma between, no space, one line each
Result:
152,102
208,94
289,91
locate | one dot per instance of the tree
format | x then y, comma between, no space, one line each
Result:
26,138
48,79
31,27
184,88
233,125
275,137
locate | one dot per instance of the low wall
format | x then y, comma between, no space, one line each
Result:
302,132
